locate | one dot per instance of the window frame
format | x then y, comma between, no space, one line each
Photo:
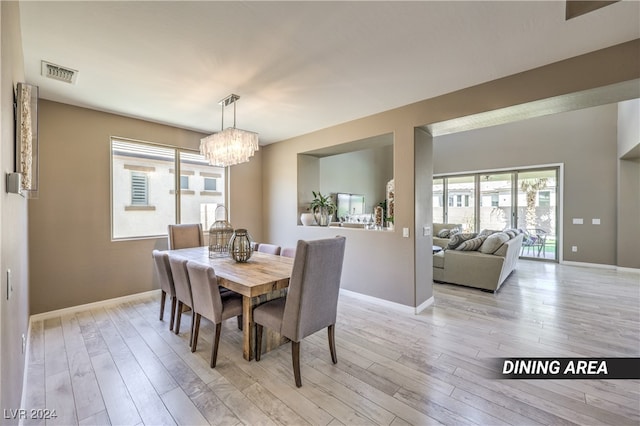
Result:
177,192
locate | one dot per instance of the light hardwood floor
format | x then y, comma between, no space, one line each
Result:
121,365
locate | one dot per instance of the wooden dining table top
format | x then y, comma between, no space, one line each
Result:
261,274
257,280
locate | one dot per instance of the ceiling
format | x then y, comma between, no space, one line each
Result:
297,66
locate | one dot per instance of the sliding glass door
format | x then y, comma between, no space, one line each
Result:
461,202
537,212
496,200
527,199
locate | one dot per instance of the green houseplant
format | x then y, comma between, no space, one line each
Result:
322,207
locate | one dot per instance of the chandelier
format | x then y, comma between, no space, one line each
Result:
230,146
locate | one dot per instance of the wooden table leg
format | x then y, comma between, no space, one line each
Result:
247,328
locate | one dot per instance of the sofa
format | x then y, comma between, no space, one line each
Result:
486,271
438,227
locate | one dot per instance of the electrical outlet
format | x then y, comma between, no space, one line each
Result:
426,231
574,249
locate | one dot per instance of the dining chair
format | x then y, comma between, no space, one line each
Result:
163,269
288,252
208,302
269,249
312,300
183,290
185,236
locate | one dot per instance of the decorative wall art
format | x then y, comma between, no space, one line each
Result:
27,138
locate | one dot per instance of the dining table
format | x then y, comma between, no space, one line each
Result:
262,277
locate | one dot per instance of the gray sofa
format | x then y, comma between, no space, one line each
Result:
437,227
476,269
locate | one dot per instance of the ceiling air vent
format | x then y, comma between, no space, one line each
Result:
57,72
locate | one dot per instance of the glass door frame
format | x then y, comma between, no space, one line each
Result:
559,173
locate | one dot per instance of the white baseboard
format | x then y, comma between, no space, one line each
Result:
624,269
108,302
424,305
388,304
588,265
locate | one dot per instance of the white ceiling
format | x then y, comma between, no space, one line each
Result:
298,66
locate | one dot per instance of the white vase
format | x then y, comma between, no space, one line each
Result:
307,219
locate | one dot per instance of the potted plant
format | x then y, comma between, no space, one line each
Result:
322,207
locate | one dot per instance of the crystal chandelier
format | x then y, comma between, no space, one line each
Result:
230,146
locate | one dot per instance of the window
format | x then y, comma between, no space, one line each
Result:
495,202
184,182
143,196
210,184
544,199
139,189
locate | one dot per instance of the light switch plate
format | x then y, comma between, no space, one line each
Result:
426,231
595,221
14,183
577,221
405,232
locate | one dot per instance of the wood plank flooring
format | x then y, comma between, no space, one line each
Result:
121,365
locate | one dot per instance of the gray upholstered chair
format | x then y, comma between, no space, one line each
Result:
183,290
163,268
312,300
288,252
185,236
208,302
269,249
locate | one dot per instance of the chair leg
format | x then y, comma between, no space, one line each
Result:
332,343
178,318
193,323
163,299
196,329
216,341
258,341
173,312
295,356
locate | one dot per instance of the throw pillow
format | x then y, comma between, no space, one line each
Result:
494,242
458,239
472,244
486,232
454,231
444,233
511,233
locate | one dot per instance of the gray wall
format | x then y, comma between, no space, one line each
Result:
584,141
377,263
629,128
629,184
423,166
14,245
365,172
383,264
361,172
73,260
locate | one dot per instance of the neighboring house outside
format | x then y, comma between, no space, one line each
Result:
143,190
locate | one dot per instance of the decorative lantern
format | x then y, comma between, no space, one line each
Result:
240,246
220,234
